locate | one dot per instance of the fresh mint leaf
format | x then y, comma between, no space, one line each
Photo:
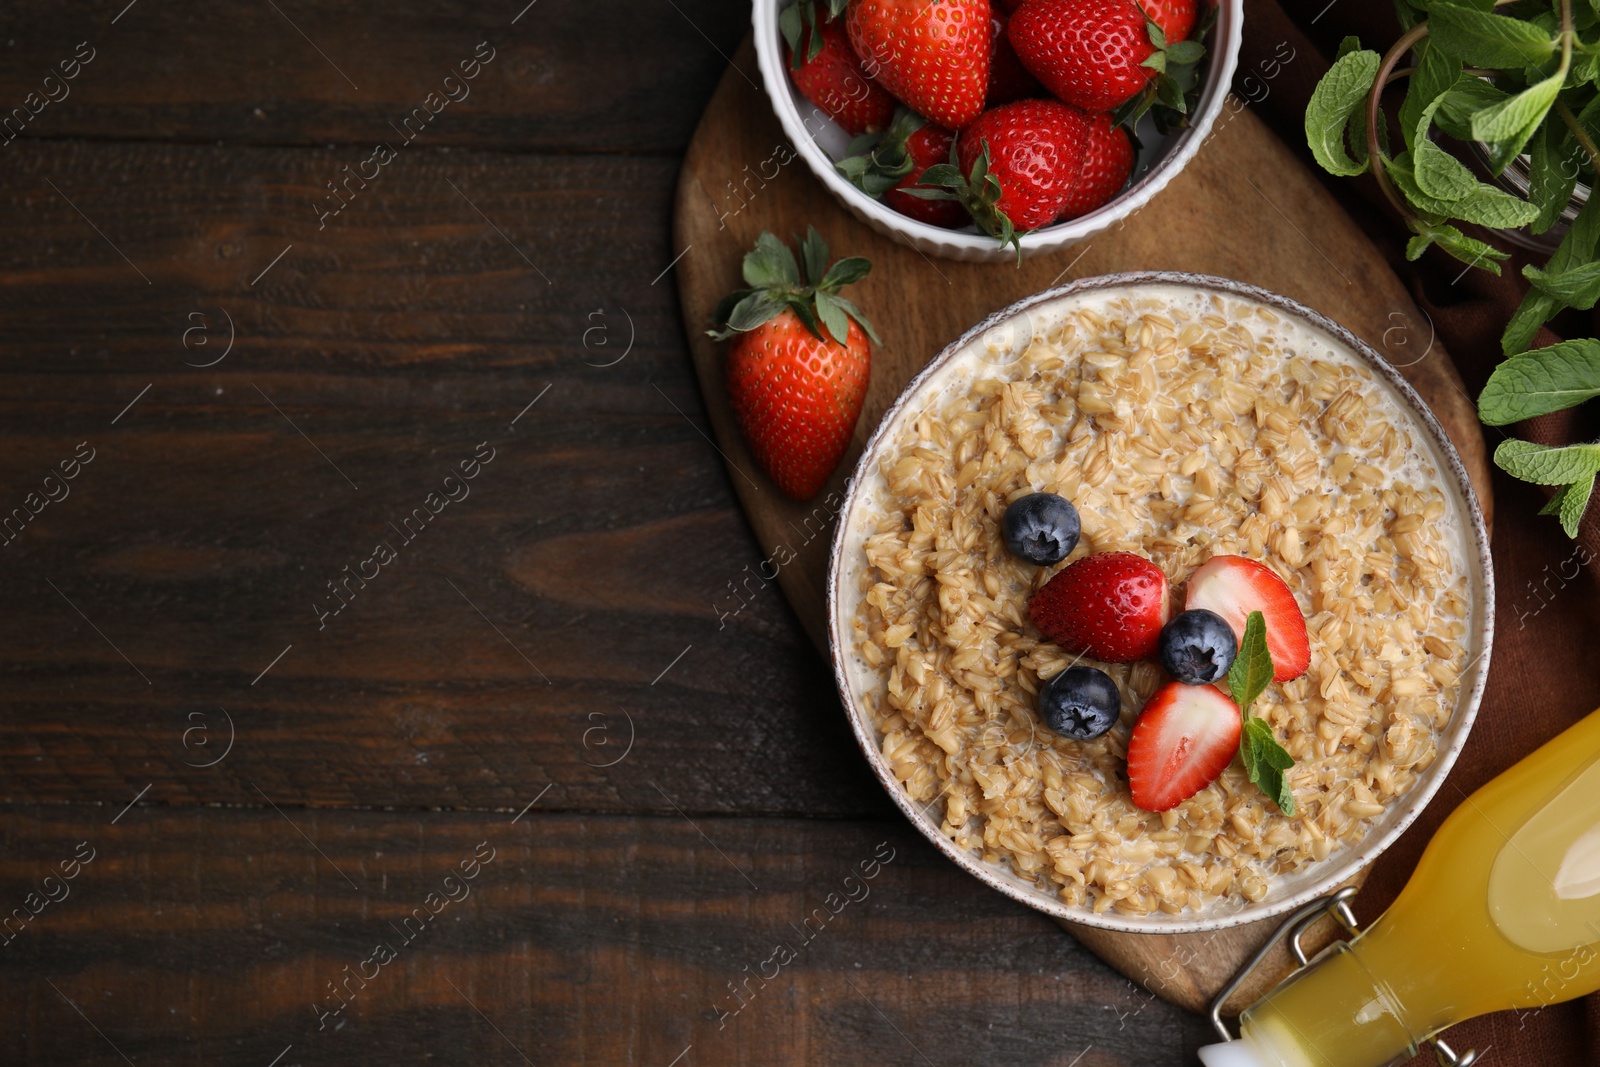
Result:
1340,93
1265,761
1507,126
1535,310
1547,464
1439,174
1348,45
1483,204
1436,74
1486,40
1570,503
1401,173
1552,174
1495,208
1469,250
1578,287
1252,667
1575,249
1541,381
1468,96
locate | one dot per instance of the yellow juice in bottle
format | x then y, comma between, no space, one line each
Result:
1502,912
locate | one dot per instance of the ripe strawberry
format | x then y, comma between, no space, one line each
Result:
1107,162
897,160
828,74
1111,606
1175,17
1089,53
1018,166
933,55
1008,80
1185,737
1233,587
796,392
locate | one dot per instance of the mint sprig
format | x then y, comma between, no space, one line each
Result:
1264,759
1518,83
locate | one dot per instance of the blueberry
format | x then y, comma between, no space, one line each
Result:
1197,647
1081,703
1041,528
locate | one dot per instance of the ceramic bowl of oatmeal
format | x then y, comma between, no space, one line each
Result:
1185,417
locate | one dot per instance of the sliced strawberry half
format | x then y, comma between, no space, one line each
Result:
1111,606
1233,587
1185,737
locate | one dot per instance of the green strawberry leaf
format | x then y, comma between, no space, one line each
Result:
1185,52
790,25
814,250
861,320
770,264
759,307
1252,667
1338,95
833,317
807,315
846,271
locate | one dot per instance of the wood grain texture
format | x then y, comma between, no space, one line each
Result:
1244,208
592,550
561,80
204,935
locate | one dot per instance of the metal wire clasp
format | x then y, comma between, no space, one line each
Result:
1294,928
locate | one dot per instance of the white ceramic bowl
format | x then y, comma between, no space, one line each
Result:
1286,892
820,141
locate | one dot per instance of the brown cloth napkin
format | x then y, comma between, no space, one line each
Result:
1545,671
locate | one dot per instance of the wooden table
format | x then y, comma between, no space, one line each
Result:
268,752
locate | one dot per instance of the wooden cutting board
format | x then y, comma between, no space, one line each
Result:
1244,208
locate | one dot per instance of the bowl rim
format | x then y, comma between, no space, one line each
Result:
1356,857
1213,94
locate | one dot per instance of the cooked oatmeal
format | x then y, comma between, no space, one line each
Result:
1183,425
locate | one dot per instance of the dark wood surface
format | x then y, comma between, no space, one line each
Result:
508,653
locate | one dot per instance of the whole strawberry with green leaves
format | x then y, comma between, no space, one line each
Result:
799,360
1016,169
